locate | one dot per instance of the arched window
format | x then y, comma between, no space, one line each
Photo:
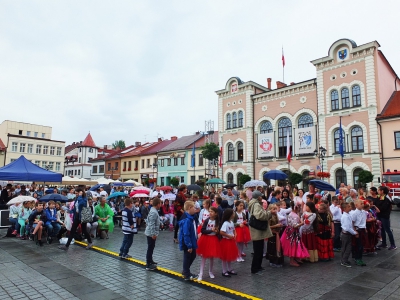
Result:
284,125
340,176
337,141
335,100
239,185
230,178
234,120
228,121
356,176
231,153
305,120
266,127
345,98
240,151
356,95
240,118
357,141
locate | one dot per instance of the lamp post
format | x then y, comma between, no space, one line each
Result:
321,155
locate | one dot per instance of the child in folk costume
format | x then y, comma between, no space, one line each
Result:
204,215
325,233
208,243
242,229
308,230
370,239
291,242
228,248
274,253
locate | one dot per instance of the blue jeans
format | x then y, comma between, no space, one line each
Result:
14,221
53,228
126,244
151,244
188,259
386,229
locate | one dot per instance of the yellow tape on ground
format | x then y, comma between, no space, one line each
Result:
206,283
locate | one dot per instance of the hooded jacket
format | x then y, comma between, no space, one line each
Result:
256,209
187,233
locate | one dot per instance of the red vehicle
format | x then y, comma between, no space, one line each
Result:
392,181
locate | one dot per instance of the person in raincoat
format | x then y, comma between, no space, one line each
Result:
105,215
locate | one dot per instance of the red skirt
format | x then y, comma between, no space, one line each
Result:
199,229
208,246
370,238
242,234
309,240
325,248
228,250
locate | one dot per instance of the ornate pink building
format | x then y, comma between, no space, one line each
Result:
352,85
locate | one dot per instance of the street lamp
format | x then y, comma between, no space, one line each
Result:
321,155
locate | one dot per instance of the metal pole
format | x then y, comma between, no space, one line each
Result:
340,117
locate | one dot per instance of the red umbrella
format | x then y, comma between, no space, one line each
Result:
139,192
166,188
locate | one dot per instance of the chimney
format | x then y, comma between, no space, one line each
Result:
105,147
269,83
174,138
197,132
160,139
137,144
280,84
292,83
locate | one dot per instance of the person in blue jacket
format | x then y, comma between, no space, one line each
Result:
52,225
188,238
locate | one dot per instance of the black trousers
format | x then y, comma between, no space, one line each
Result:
151,244
188,259
258,248
336,240
75,225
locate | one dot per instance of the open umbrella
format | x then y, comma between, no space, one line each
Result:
275,174
21,199
194,187
140,196
54,197
139,192
323,185
254,183
116,194
215,181
141,188
166,188
230,185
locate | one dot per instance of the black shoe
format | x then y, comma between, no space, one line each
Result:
40,243
151,267
154,263
226,274
49,240
260,272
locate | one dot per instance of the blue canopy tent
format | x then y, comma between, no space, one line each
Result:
23,170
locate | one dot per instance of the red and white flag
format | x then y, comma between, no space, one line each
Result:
220,158
283,58
288,154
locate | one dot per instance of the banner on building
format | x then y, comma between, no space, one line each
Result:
305,140
266,145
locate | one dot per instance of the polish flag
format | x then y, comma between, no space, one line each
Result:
283,58
288,154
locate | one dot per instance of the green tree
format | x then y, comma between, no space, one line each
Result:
244,178
364,177
174,181
295,178
119,143
210,151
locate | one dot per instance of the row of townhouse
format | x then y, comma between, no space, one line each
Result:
160,160
355,89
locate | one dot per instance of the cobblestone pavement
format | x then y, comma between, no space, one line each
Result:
32,272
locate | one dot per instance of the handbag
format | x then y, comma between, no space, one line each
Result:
258,224
86,215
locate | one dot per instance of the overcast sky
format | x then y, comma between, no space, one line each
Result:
133,70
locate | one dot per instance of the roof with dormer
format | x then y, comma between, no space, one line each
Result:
88,142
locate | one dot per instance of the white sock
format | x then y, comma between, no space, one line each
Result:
211,265
224,267
202,264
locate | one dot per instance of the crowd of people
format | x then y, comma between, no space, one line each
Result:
279,221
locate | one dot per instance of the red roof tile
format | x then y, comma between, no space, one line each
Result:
88,142
2,146
392,107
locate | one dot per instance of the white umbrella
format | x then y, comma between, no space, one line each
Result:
140,196
141,188
104,180
135,183
254,183
21,199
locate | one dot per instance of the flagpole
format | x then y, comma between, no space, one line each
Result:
341,145
283,66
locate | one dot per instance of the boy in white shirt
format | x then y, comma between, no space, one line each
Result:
360,223
337,216
346,235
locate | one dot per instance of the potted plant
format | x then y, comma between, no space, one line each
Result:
124,169
129,169
136,169
323,174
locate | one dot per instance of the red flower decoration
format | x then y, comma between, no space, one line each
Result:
307,221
